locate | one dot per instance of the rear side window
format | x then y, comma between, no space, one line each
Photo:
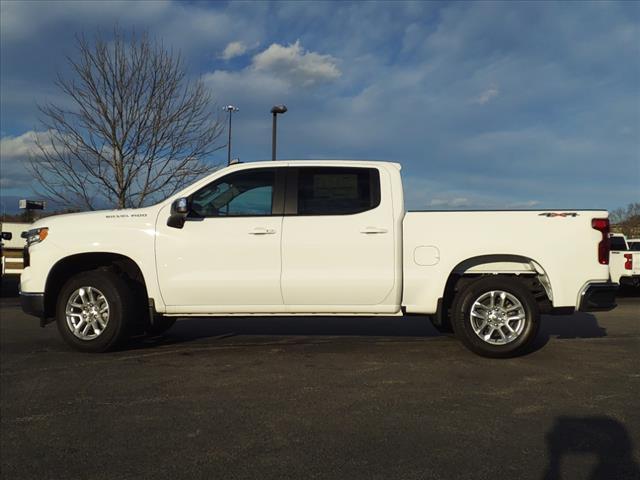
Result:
337,190
618,243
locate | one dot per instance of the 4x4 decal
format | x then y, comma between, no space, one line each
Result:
558,214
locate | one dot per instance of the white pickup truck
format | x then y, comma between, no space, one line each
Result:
625,262
313,238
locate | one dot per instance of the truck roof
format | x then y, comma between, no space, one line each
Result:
315,162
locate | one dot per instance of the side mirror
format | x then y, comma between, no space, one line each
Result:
179,212
7,235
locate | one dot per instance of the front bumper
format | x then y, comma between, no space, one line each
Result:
598,297
32,303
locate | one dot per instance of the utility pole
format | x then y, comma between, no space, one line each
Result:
275,111
231,109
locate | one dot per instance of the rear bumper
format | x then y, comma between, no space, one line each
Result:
32,303
633,280
598,297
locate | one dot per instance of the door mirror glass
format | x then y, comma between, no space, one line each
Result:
181,205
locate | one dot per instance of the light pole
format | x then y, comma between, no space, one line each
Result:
275,111
230,109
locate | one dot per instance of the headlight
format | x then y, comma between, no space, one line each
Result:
35,235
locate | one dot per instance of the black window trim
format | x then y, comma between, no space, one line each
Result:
291,195
277,198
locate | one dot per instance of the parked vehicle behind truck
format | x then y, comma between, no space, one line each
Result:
3,236
625,262
314,238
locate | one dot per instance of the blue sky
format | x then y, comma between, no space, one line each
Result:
486,105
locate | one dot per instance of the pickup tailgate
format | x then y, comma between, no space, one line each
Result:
625,263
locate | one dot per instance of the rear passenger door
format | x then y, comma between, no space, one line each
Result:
337,239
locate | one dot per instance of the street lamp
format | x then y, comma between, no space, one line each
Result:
275,111
230,109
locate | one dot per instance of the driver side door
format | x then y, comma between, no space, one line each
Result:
226,258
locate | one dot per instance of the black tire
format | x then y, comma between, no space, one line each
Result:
462,322
121,310
160,325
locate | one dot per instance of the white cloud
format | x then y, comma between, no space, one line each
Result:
14,156
296,65
486,96
277,74
233,49
17,147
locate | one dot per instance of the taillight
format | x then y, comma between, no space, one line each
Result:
628,261
602,225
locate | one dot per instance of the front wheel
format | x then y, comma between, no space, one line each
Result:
496,317
94,311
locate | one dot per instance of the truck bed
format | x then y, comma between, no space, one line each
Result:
560,245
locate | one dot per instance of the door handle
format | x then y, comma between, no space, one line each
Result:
373,230
262,231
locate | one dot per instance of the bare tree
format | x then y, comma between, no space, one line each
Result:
136,128
623,214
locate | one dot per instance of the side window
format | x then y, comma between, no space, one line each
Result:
337,190
246,193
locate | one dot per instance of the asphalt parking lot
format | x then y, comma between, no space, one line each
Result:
375,398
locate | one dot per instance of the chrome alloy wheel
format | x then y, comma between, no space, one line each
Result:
87,313
497,317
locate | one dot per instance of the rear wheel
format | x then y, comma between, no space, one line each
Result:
94,311
496,317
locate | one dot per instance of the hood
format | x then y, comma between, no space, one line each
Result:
104,217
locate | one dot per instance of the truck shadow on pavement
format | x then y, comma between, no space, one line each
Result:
197,328
580,325
601,437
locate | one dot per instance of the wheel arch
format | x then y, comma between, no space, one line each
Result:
527,269
504,264
71,265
